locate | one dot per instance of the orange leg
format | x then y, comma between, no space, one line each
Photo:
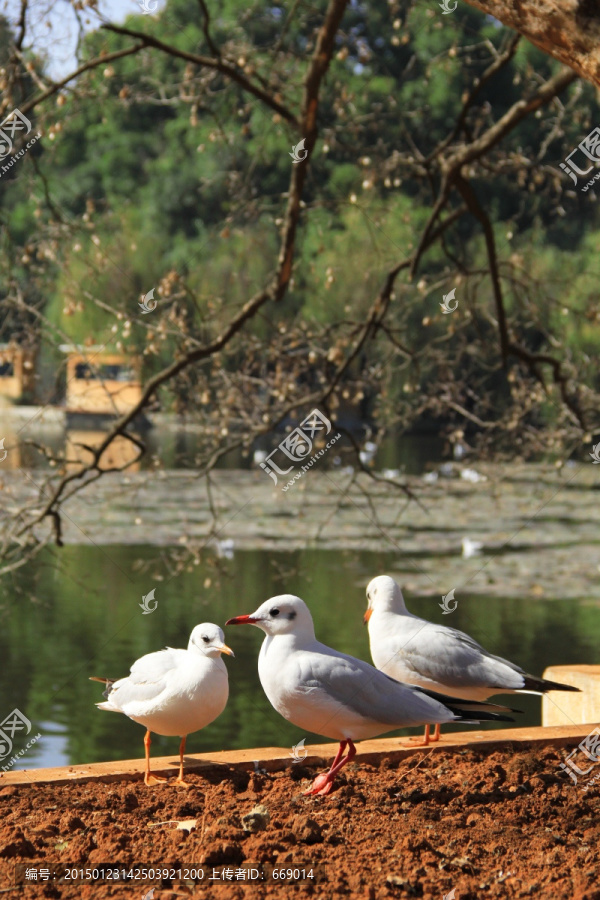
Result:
179,778
427,739
148,778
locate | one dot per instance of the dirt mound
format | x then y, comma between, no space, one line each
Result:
487,824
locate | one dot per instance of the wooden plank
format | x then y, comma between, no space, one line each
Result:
274,759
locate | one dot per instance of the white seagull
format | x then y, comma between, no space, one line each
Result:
174,692
436,657
322,691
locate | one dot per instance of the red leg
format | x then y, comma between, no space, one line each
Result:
179,778
438,729
148,778
323,784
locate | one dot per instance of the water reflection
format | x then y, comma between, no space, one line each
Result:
174,447
79,616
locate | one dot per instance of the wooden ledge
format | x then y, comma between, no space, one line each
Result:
274,759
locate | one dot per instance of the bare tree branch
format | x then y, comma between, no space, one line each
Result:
217,63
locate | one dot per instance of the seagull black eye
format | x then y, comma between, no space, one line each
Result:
205,639
274,612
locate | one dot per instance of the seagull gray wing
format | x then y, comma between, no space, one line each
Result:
452,658
366,691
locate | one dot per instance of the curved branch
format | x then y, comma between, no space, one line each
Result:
216,63
91,64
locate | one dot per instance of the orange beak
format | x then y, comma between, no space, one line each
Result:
367,616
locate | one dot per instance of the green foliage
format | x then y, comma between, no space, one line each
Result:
160,166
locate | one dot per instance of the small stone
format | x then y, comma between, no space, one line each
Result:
256,820
307,831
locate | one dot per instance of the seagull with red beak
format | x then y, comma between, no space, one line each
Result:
326,692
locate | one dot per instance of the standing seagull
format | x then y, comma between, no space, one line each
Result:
338,696
174,692
438,658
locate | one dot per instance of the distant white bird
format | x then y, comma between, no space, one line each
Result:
470,548
414,651
325,692
259,456
225,548
472,476
430,477
174,692
459,447
446,470
367,454
390,473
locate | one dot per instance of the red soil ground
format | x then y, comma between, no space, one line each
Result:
500,824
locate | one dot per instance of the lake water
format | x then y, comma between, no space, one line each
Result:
76,613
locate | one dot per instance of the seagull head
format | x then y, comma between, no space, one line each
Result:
209,640
284,614
384,595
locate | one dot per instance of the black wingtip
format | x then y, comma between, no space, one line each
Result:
542,685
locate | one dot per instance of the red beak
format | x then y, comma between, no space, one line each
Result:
241,620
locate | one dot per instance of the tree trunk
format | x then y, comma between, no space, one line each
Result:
569,30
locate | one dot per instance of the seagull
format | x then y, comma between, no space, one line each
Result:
367,454
225,548
472,476
174,692
470,548
326,692
438,658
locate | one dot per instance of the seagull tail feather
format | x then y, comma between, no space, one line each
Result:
109,683
477,708
541,685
